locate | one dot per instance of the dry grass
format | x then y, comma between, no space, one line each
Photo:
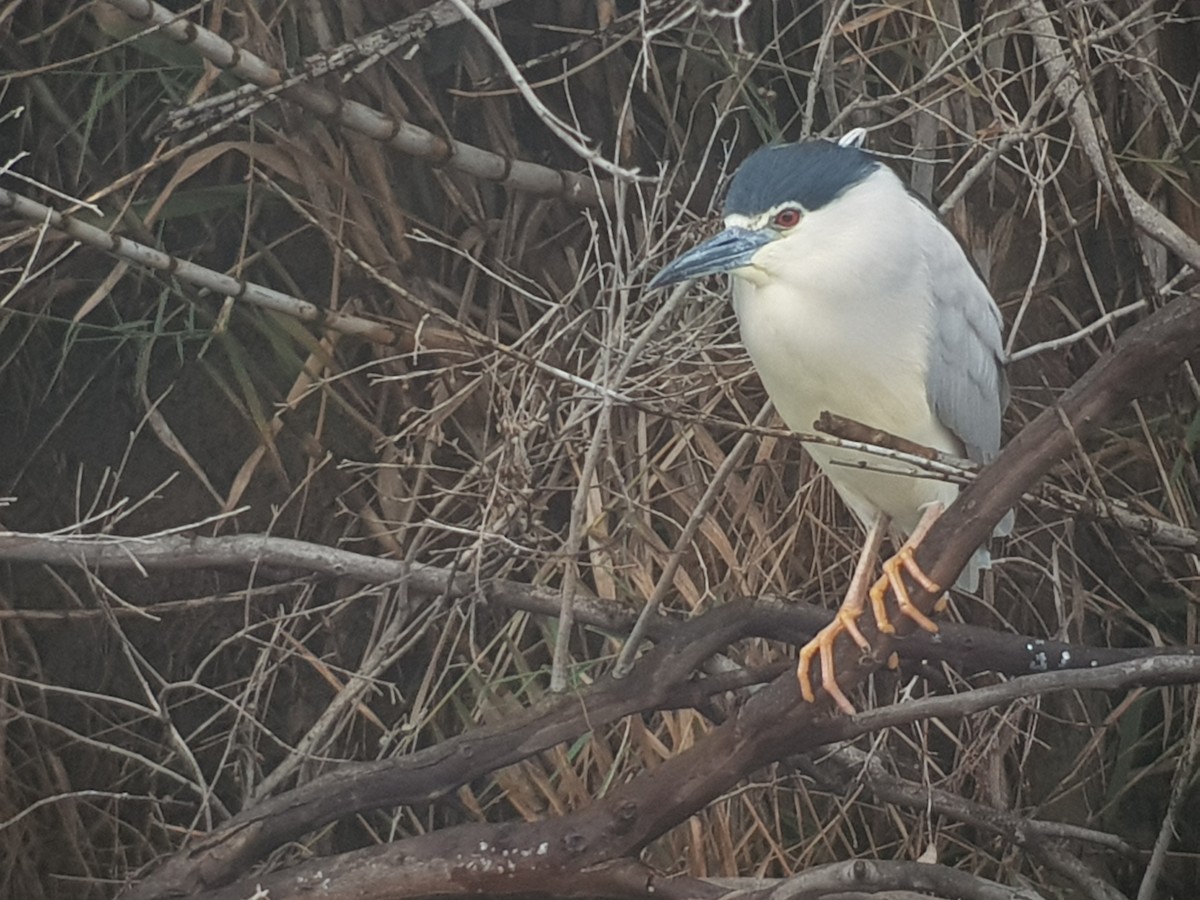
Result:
487,438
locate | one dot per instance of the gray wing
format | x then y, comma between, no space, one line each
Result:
968,388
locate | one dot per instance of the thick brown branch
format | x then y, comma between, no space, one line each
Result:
432,773
424,776
874,876
427,775
771,726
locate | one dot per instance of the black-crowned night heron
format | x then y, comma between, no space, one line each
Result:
853,298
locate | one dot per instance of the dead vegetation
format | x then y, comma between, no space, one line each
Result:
441,363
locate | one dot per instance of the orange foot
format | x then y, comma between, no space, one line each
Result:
852,607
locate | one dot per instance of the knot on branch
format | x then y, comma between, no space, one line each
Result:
575,842
624,816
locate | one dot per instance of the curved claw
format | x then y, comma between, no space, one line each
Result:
892,578
852,607
822,645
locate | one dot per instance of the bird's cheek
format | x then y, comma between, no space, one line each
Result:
753,274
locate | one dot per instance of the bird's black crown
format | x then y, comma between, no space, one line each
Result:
809,174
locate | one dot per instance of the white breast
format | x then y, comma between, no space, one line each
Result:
844,326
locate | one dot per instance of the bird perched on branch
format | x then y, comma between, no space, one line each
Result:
853,298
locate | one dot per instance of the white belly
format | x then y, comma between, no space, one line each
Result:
816,355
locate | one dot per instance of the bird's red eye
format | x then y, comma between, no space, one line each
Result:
787,218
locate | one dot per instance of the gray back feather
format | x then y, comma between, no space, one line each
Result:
967,388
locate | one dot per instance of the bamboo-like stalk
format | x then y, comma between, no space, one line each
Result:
390,130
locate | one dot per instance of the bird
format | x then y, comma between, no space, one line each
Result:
853,297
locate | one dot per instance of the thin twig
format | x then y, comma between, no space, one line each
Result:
1075,337
565,132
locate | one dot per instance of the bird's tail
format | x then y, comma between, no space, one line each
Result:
982,559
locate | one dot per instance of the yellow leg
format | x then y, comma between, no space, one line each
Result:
853,606
846,621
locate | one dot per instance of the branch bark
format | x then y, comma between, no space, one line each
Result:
874,876
663,682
